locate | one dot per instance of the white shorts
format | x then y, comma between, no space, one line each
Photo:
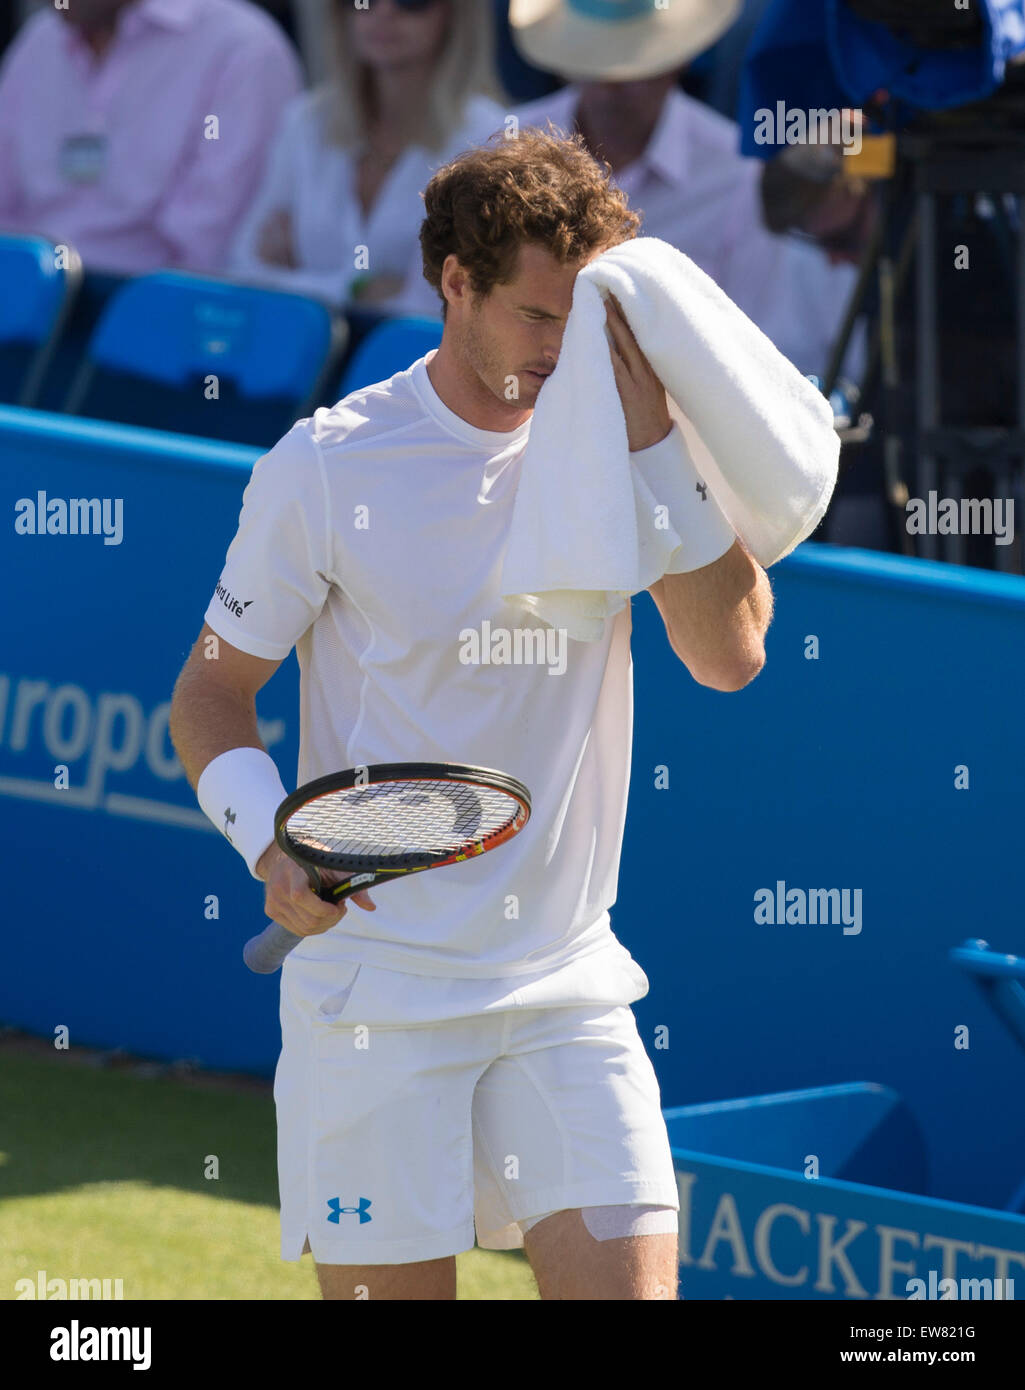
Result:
399,1144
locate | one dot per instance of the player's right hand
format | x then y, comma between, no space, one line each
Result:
290,901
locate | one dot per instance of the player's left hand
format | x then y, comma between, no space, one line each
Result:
643,396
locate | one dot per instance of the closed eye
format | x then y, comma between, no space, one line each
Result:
538,315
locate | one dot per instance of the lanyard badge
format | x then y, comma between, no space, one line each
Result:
83,158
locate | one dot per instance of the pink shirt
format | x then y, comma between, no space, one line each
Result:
114,154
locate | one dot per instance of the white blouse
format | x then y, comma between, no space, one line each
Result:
316,182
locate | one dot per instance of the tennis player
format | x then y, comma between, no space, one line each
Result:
459,1058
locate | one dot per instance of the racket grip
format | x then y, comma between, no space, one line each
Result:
265,953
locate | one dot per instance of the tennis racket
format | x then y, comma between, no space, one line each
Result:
379,823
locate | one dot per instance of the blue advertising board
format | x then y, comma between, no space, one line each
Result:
748,1231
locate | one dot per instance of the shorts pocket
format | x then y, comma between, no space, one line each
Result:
334,1006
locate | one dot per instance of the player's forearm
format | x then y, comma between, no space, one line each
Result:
717,618
207,720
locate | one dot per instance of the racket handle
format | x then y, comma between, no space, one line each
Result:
265,953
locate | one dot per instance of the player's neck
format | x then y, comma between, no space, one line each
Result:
460,389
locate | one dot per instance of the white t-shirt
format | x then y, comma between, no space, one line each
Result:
315,181
371,539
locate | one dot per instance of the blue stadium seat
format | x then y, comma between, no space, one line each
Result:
1000,977
389,348
162,338
36,294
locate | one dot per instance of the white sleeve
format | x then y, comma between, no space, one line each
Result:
278,569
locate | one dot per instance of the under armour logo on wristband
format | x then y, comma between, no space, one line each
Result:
703,489
336,1210
229,819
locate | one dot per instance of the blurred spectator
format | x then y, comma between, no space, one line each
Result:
339,212
137,129
808,189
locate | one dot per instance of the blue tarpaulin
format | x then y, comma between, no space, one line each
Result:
814,54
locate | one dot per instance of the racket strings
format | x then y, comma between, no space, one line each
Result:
391,819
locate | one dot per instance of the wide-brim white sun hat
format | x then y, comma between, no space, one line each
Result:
617,40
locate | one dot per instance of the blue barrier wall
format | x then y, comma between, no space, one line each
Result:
837,772
840,773
106,905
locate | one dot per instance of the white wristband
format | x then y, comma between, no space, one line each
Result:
240,791
671,476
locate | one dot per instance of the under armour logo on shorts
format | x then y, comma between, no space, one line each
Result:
335,1204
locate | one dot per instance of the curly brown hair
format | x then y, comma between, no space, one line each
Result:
535,186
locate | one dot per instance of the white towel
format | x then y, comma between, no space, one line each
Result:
759,435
